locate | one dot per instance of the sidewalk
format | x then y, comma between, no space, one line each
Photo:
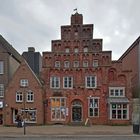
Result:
66,130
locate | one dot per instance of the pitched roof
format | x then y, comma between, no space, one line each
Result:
10,49
130,48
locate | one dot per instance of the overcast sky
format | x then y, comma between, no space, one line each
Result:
34,23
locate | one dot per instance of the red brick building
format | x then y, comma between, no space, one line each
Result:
10,60
131,60
24,97
82,81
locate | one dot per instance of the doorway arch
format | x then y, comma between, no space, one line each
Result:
77,111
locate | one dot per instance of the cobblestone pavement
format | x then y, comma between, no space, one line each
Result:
66,130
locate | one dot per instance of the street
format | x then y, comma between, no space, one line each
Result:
65,137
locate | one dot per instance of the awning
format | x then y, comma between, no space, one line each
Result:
118,100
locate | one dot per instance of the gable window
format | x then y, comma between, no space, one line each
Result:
24,83
68,82
95,63
55,82
1,67
93,104
66,64
76,64
85,64
85,50
90,81
116,91
76,50
19,96
57,64
1,90
67,50
30,96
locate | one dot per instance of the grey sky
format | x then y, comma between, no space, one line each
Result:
34,23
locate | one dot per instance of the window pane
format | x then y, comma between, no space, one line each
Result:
91,111
1,67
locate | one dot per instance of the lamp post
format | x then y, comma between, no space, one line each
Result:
24,102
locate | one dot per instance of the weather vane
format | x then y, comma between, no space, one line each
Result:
75,10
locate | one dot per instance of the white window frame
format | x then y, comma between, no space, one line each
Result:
122,113
93,106
76,50
56,81
24,82
76,64
67,50
58,107
113,91
95,63
66,64
30,96
85,49
1,90
90,78
68,80
19,97
57,64
85,64
1,67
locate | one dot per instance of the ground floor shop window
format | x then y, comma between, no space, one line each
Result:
119,111
58,109
93,103
30,115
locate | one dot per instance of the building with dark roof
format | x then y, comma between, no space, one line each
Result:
34,60
10,60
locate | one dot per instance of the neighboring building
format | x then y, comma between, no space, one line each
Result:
81,80
34,60
131,60
10,60
24,97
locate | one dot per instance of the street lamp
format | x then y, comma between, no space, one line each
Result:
24,100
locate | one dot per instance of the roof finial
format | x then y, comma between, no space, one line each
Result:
75,10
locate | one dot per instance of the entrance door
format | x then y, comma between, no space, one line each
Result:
77,111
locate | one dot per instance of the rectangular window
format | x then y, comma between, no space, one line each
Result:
57,64
30,96
66,64
30,115
93,104
1,67
58,109
68,82
76,50
95,63
1,90
90,82
19,96
85,50
116,91
76,64
24,83
55,82
119,111
67,50
85,64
